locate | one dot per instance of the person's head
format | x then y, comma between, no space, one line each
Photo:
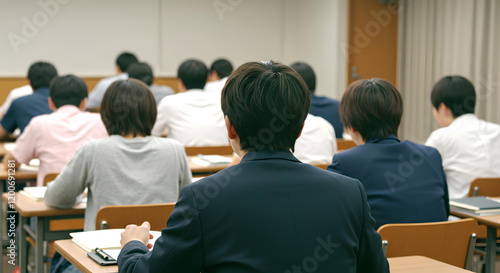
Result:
68,90
371,109
40,74
451,97
220,68
265,105
128,108
142,72
124,60
192,74
307,73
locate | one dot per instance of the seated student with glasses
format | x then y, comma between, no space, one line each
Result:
404,181
129,167
271,212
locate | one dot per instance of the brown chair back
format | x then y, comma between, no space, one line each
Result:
451,242
109,217
209,150
49,178
321,166
489,186
344,144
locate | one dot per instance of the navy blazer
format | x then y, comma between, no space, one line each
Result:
270,213
328,109
404,181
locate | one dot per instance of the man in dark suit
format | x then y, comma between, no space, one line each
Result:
404,181
270,213
320,106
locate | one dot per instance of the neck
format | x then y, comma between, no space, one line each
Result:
131,136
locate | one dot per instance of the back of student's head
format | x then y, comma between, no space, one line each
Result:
457,93
372,107
128,106
222,67
124,60
68,90
193,74
307,73
40,74
267,103
142,72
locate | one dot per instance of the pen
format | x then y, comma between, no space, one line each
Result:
103,254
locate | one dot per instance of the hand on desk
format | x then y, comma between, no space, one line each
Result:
139,233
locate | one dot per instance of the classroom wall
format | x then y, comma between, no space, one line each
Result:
84,37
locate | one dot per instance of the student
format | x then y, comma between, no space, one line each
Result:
54,138
23,109
144,73
404,181
193,117
470,147
317,144
270,213
129,167
320,106
219,72
123,61
14,94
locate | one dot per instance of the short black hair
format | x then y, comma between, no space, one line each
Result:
222,67
307,73
457,93
128,106
373,107
40,74
142,72
267,103
68,90
193,74
125,59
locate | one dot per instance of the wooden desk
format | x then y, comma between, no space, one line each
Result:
78,257
419,264
20,174
198,170
493,223
28,208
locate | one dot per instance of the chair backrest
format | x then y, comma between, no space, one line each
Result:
49,178
344,144
209,150
451,242
109,217
485,187
321,166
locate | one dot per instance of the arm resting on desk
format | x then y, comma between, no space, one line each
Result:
9,157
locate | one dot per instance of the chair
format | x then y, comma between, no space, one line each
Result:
485,187
344,144
49,178
449,242
209,150
109,217
321,166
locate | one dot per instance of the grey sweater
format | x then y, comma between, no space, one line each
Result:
120,171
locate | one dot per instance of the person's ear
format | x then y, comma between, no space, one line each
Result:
231,132
181,86
52,106
302,129
83,104
118,70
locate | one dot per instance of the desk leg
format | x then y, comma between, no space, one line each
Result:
23,244
491,245
39,245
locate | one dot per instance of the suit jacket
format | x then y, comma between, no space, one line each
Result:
270,213
404,181
328,109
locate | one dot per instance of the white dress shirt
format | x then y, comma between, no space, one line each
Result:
194,118
470,148
215,86
95,97
14,94
317,143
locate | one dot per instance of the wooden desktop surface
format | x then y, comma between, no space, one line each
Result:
78,257
196,169
19,174
27,207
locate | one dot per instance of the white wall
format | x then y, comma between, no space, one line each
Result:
84,36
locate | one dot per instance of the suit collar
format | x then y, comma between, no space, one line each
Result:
264,155
385,140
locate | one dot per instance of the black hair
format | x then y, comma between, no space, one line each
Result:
222,67
40,74
142,72
457,93
68,90
125,59
193,74
307,73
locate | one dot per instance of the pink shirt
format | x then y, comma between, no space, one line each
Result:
54,138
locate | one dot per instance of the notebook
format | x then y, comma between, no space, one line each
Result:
477,204
34,193
206,160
